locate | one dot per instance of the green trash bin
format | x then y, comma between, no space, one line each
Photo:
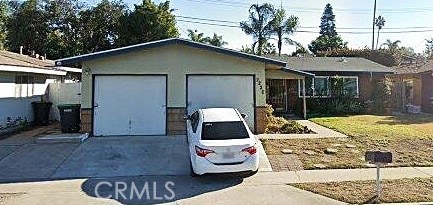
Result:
69,117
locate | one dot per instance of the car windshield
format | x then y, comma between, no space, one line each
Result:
224,130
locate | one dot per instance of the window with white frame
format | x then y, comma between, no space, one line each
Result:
24,85
321,86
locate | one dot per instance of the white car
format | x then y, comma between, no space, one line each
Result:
220,142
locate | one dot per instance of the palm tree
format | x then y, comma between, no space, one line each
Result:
216,40
259,25
379,22
392,46
196,36
282,26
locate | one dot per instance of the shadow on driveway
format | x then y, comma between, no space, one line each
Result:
157,189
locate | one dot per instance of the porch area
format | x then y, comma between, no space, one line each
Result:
284,92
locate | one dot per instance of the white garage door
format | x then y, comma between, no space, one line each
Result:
222,91
130,105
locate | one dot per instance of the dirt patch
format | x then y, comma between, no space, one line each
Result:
350,152
286,162
359,192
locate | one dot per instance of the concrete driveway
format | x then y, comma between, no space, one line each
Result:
21,159
127,156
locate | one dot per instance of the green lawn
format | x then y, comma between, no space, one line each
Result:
408,137
381,127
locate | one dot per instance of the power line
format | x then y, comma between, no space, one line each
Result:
204,23
302,27
315,32
316,10
204,19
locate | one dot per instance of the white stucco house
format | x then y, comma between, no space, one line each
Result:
24,79
146,89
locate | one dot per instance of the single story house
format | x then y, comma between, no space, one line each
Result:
358,74
413,89
24,79
146,89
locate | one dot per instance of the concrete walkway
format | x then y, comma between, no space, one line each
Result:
320,132
339,175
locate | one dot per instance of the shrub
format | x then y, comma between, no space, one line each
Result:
279,125
382,95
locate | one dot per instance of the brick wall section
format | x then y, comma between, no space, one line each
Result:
175,123
86,120
261,120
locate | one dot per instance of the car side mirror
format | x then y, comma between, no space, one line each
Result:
244,115
186,117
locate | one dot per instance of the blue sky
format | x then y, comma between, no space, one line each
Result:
400,15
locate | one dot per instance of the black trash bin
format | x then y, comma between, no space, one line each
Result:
41,113
69,117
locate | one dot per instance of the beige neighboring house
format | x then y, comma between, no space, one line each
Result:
146,89
412,87
23,79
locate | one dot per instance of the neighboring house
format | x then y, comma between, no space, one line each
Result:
24,79
413,88
358,74
146,89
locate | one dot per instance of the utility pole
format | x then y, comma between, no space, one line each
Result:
374,19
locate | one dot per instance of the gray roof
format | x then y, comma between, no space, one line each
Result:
15,59
164,42
334,64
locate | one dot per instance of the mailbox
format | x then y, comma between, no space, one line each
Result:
378,157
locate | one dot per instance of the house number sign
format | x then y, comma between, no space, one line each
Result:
260,86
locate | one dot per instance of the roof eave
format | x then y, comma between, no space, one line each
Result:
149,45
298,72
10,68
352,71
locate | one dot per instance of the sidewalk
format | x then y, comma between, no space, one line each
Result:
320,132
339,175
262,188
187,190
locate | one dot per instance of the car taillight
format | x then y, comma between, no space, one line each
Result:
252,150
202,152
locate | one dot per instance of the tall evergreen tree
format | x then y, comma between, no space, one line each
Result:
327,23
329,38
